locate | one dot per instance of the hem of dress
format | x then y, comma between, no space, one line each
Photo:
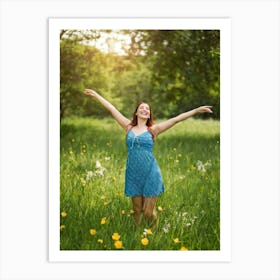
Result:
144,195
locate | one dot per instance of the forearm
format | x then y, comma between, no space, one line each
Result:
123,121
185,116
163,126
106,104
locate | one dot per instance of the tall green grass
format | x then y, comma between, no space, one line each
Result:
93,159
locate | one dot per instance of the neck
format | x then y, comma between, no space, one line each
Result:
141,123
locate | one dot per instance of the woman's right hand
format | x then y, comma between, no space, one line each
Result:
90,92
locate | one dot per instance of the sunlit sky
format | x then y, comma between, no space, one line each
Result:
112,42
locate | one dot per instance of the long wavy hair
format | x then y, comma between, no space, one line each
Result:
150,120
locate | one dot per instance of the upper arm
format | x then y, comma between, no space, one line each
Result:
122,120
163,126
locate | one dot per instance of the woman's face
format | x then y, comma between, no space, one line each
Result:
143,111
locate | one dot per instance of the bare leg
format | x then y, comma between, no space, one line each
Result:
137,202
149,210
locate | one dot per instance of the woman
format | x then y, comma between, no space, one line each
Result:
143,179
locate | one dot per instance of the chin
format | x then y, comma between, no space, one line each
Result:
144,117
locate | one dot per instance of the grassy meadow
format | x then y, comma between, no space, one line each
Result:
96,215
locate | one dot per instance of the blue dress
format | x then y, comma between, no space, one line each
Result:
143,176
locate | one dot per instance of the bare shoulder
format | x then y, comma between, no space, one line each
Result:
128,127
154,129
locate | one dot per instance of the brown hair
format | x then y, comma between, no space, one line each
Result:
134,120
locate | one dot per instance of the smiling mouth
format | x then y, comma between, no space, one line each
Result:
145,114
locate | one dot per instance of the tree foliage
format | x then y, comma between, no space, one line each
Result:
173,70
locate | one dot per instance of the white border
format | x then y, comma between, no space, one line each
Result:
224,254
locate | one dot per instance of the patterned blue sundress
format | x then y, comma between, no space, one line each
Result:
143,176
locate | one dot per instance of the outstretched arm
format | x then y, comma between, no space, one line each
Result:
123,121
163,126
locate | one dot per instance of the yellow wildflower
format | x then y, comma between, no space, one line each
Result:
116,236
118,244
145,241
105,203
100,241
179,155
123,212
102,197
148,231
131,212
118,192
92,231
160,209
174,149
184,249
63,214
62,227
103,221
176,240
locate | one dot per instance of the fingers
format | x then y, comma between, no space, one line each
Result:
206,109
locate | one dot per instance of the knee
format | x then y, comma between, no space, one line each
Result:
137,210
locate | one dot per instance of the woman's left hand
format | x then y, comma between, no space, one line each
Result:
204,109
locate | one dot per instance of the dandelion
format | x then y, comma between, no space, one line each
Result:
131,212
62,227
63,214
176,240
184,249
123,212
176,161
179,155
100,241
103,221
160,209
145,241
118,244
102,197
174,149
105,203
118,192
116,236
148,231
92,231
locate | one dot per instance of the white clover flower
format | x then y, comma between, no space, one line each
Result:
99,172
166,228
99,169
90,174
